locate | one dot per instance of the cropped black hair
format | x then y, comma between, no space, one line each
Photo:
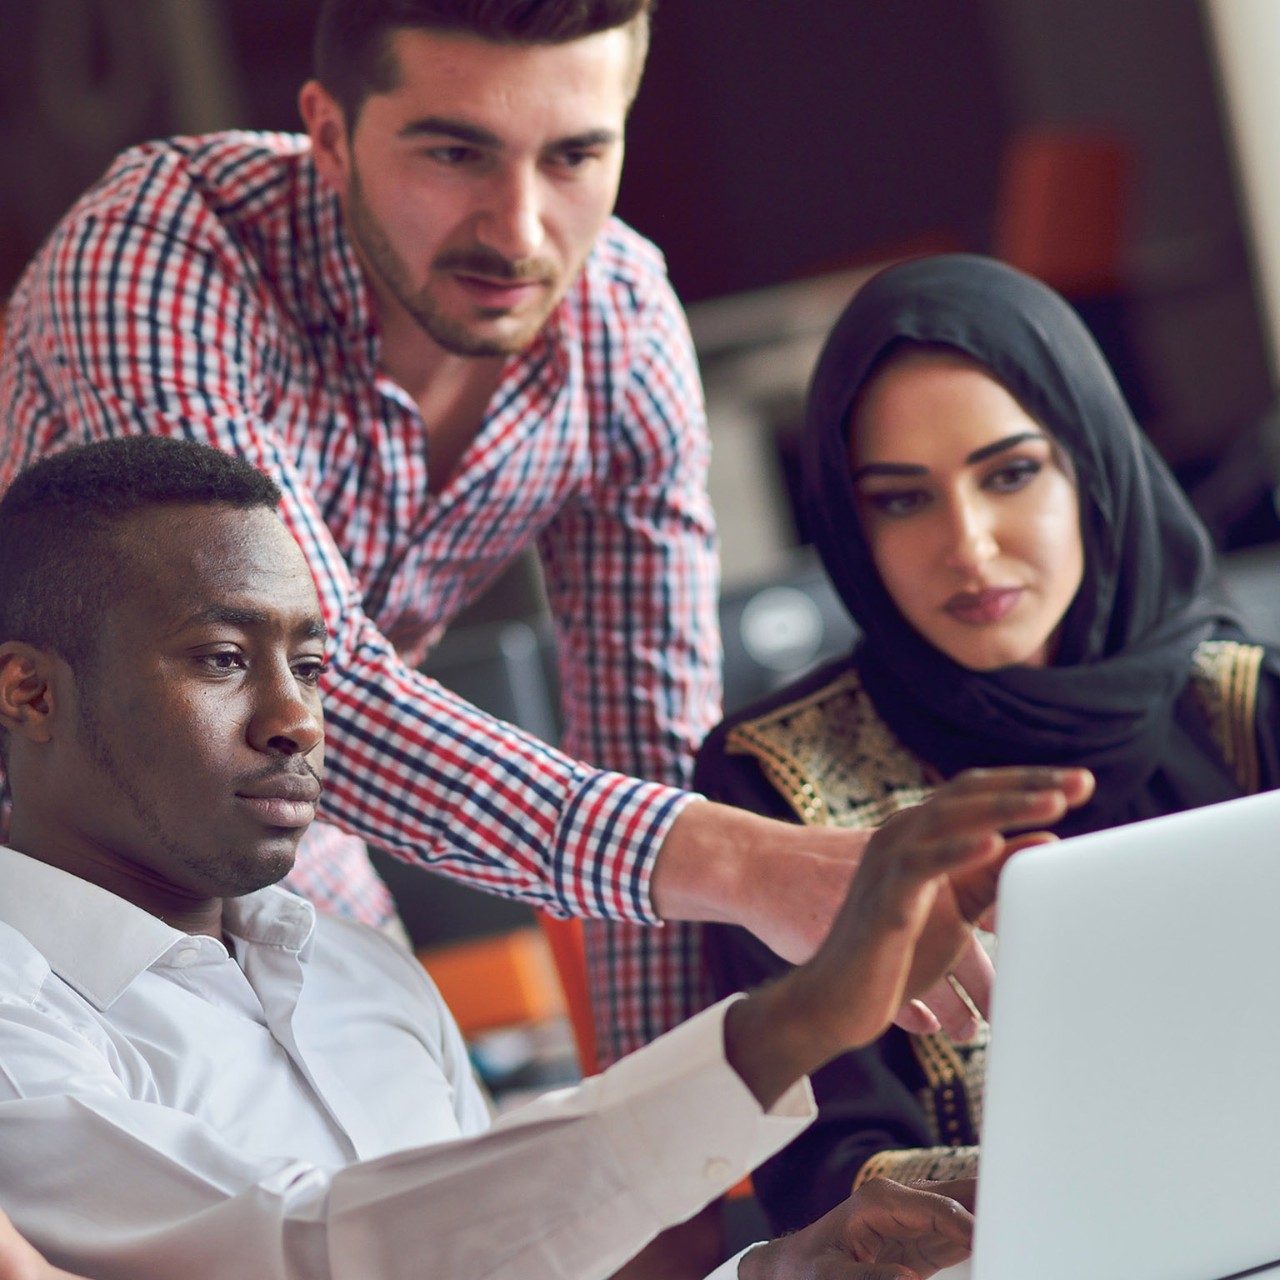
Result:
353,37
58,569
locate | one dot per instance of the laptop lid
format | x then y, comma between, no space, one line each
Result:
1132,1107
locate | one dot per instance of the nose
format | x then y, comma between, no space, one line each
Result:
286,718
971,536
512,223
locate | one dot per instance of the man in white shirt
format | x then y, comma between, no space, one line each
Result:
199,1077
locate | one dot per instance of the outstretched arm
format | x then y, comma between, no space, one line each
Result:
925,878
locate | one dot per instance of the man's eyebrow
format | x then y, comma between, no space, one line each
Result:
312,628
476,136
458,130
978,455
585,141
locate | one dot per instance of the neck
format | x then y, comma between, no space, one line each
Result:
177,907
452,391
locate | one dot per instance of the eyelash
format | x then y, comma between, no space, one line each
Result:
314,673
310,672
1016,475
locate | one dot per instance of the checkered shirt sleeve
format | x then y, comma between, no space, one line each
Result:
136,318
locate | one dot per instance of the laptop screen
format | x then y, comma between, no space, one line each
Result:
1132,1108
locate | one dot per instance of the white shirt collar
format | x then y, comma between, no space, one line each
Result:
99,944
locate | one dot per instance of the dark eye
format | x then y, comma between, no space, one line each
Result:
453,157
1014,475
897,502
310,671
223,661
573,159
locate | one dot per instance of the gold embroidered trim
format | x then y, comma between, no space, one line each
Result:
951,1098
1224,680
832,758
932,1164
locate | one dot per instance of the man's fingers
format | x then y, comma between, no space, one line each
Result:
918,1214
964,1191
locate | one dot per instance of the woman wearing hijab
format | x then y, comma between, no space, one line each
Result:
1030,586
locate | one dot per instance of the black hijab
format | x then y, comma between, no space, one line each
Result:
1111,699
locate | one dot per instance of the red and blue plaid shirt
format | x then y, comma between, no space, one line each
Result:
206,288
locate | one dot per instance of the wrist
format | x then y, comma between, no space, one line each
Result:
781,881
778,1034
703,866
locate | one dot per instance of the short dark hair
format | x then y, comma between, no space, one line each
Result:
352,51
57,569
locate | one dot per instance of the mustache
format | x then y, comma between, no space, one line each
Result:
480,261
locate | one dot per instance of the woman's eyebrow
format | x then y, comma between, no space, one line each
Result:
917,469
989,450
890,469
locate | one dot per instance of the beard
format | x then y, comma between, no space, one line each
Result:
454,334
234,871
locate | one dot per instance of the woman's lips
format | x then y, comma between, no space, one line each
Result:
978,608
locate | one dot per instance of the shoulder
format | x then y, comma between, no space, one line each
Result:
783,702
822,746
624,285
1232,682
43,1018
24,972
189,187
625,262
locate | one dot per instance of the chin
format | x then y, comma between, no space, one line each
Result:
241,875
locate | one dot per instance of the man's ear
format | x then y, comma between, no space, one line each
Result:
26,690
326,124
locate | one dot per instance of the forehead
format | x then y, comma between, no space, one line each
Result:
176,560
558,89
926,399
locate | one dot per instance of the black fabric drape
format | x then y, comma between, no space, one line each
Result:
1110,699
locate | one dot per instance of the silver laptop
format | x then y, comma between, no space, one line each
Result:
1132,1109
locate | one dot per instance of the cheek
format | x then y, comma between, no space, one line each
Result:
898,555
1055,522
580,214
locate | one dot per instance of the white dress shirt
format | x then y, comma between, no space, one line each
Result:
302,1108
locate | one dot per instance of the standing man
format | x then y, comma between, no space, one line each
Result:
423,322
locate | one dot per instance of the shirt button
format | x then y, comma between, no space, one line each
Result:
186,957
716,1169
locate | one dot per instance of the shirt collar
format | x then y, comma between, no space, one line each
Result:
99,944
341,300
